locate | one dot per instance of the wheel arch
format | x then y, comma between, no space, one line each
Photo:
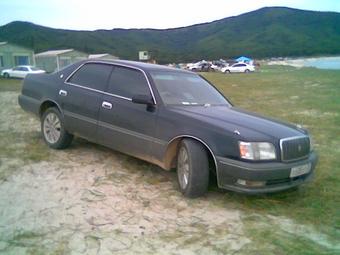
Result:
48,103
172,149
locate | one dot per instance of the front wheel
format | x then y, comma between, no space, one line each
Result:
192,168
6,75
53,131
247,71
227,71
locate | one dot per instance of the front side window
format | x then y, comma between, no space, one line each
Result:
25,69
127,82
177,88
92,75
1,61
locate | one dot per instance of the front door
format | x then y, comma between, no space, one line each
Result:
123,125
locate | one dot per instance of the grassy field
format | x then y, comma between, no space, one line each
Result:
309,97
10,84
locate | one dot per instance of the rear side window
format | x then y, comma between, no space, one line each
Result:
92,75
127,82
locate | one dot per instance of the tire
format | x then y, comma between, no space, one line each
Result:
227,71
53,131
247,71
6,75
192,168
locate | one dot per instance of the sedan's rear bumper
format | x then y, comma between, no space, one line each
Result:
255,178
29,104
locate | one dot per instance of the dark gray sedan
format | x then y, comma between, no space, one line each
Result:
172,118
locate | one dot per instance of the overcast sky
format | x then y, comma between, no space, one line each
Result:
106,14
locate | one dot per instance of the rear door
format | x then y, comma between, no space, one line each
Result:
124,125
23,71
81,97
240,68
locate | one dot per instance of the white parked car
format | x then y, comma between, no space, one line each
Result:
20,71
238,68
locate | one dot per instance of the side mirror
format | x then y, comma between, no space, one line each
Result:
142,99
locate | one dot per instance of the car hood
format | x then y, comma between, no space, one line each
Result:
250,125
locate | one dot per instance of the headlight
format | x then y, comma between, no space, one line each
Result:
257,151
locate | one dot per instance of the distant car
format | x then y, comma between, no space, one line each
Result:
20,71
200,67
238,68
218,65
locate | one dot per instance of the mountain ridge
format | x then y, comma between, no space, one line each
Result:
266,32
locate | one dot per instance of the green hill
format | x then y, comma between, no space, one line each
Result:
267,32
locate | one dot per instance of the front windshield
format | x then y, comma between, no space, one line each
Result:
177,88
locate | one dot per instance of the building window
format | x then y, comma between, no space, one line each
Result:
21,60
1,61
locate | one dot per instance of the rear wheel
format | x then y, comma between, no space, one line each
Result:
192,168
53,131
6,75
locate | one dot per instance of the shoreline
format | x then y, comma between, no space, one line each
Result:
317,62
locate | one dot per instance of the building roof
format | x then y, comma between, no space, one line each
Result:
98,55
16,45
52,53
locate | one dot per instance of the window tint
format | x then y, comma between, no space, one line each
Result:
24,69
1,61
92,75
177,88
128,82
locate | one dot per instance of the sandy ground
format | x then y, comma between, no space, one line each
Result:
91,200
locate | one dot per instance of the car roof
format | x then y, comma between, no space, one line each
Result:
24,66
139,65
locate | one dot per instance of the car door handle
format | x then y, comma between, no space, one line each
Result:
107,105
63,93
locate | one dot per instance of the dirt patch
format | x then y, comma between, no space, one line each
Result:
86,200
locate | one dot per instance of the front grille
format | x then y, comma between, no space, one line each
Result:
293,148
